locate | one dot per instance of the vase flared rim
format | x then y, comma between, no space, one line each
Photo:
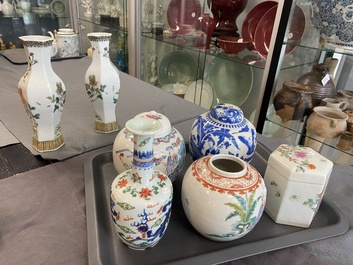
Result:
143,126
99,36
36,40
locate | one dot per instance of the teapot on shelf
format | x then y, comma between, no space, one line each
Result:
66,41
7,8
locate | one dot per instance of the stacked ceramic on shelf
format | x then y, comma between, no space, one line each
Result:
333,18
320,79
141,197
296,178
324,123
42,93
258,26
102,83
345,95
223,197
293,101
223,130
168,147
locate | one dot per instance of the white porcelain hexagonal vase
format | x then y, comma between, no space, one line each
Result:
42,93
223,197
102,83
141,197
168,145
223,130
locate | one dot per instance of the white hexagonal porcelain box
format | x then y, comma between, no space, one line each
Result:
296,178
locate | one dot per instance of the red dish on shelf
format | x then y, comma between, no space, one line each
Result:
252,20
263,33
184,15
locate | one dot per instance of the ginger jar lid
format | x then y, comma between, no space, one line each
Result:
166,125
227,114
301,164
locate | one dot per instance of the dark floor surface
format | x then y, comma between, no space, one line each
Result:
16,159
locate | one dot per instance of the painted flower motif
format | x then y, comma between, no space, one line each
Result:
155,117
145,193
122,183
162,177
300,154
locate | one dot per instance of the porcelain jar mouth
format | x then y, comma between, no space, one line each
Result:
143,126
227,165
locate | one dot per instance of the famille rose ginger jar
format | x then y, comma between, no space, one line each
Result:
223,130
296,178
168,144
141,197
223,196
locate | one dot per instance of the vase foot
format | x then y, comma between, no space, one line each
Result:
102,127
47,146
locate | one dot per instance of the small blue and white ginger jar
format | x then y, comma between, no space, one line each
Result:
223,130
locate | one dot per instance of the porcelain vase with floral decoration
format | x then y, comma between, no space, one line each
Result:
141,197
102,83
42,93
223,197
168,148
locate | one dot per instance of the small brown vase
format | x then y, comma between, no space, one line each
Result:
320,79
293,101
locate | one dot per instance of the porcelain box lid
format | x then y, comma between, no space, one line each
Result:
301,164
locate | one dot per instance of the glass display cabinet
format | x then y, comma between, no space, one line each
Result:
106,16
312,77
204,50
30,17
189,48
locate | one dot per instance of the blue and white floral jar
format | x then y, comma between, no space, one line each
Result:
334,19
223,130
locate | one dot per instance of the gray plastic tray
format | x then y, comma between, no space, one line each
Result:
182,244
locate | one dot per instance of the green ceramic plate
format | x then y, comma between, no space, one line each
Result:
231,81
177,66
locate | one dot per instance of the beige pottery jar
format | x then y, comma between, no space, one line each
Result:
324,123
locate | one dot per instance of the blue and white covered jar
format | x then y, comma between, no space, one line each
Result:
223,130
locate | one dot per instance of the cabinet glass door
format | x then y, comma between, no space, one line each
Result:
105,16
308,71
31,17
206,51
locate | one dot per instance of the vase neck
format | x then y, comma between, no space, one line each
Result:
38,54
100,51
142,170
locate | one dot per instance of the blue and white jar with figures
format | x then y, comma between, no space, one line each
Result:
334,20
102,83
141,197
169,148
223,130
